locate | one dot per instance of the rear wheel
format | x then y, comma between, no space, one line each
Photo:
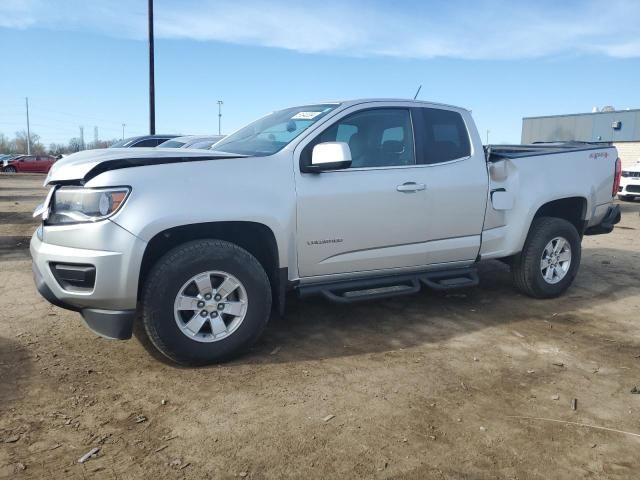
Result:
205,301
9,169
549,261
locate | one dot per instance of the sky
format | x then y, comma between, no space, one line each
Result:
85,63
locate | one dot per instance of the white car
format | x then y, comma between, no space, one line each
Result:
192,141
630,183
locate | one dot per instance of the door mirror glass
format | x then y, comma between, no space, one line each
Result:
330,156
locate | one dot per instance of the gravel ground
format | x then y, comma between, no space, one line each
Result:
476,383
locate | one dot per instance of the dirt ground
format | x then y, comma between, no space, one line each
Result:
430,386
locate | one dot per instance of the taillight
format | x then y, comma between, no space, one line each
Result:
616,178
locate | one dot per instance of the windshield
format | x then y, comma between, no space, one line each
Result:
123,143
119,143
272,133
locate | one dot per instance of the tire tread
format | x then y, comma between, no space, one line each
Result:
183,253
526,264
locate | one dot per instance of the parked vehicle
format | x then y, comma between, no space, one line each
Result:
4,159
142,141
630,183
357,200
191,141
29,164
206,144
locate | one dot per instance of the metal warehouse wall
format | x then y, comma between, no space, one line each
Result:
586,127
629,153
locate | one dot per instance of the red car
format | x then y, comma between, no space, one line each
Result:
30,164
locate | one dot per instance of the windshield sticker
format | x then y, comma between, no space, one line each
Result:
305,115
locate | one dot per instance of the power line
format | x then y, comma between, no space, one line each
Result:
55,113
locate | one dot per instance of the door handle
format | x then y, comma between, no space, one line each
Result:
410,187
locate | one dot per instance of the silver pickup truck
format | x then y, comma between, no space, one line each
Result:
354,201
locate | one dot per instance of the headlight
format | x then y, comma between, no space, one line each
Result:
77,204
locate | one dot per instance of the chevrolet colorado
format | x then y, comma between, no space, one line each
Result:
352,200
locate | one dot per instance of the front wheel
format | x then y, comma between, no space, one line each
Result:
10,169
549,261
205,301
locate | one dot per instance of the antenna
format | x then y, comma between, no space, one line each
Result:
220,103
416,95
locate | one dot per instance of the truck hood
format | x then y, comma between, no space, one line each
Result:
85,165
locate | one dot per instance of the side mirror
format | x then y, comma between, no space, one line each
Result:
330,156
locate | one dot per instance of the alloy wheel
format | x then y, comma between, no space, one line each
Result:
556,260
210,306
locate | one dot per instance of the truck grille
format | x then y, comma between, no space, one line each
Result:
633,188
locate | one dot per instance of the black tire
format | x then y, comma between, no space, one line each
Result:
526,271
175,268
10,169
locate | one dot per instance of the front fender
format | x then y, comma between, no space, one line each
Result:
258,190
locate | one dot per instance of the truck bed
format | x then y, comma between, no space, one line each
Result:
579,173
496,153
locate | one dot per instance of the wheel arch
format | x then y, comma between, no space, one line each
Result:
257,238
571,209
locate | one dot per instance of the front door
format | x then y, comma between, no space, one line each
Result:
415,194
371,216
27,164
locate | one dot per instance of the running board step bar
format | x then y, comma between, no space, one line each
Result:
375,288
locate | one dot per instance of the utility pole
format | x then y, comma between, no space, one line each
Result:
488,136
95,136
220,103
81,138
26,100
152,88
123,125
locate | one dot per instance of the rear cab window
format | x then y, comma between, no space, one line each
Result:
442,135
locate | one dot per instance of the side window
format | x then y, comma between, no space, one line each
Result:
345,132
445,136
377,138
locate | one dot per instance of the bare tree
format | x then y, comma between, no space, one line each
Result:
20,143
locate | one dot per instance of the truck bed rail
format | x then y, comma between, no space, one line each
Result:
495,153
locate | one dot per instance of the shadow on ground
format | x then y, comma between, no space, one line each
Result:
14,248
315,329
15,371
